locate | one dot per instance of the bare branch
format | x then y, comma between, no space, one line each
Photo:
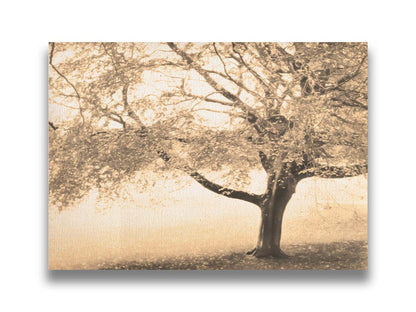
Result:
216,188
227,192
118,119
52,126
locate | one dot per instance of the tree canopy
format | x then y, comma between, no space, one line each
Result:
198,108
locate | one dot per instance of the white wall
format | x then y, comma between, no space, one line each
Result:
27,26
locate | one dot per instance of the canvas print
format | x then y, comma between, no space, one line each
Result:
208,156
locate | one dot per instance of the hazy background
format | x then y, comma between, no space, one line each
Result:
195,221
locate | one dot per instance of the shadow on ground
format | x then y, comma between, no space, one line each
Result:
350,255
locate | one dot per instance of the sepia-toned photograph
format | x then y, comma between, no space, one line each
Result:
207,156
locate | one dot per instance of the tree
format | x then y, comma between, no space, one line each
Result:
295,110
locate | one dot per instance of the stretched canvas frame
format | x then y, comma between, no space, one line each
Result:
208,155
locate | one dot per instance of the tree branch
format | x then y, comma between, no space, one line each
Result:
52,126
346,78
119,119
237,83
227,192
332,172
346,121
127,107
353,103
264,59
207,99
271,183
67,80
230,113
116,64
353,75
252,115
216,188
265,162
240,59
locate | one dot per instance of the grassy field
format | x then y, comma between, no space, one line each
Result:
349,255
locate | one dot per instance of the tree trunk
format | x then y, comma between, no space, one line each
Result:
272,211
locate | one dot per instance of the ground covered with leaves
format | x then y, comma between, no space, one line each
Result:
349,255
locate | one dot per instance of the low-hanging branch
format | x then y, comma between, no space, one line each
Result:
216,188
227,192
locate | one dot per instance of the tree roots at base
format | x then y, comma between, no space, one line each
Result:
279,254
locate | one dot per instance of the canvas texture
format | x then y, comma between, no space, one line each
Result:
208,156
